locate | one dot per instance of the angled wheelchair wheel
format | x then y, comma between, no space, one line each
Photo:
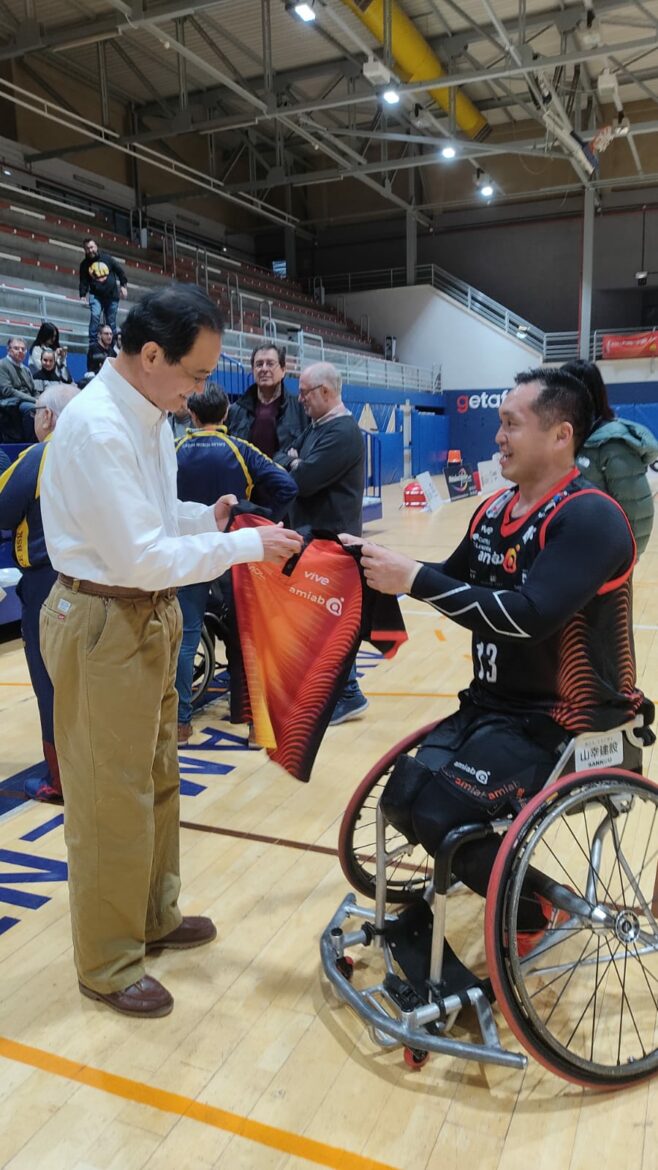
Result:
204,667
582,996
408,874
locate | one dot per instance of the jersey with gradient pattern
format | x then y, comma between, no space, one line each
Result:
548,597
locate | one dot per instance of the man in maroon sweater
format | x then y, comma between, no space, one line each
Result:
266,415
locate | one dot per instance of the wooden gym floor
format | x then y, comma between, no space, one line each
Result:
258,1066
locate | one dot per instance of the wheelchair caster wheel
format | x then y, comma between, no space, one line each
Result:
415,1058
346,967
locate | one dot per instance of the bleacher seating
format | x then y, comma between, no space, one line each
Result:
41,248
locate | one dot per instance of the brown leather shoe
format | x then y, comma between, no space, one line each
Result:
143,999
184,733
192,932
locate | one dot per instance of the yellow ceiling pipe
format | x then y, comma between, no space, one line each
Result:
416,60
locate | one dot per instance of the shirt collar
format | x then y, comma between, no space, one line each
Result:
146,411
335,412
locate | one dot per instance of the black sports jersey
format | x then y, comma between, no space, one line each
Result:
548,598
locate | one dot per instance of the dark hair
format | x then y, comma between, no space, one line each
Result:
209,407
48,335
590,375
89,240
267,344
172,317
561,397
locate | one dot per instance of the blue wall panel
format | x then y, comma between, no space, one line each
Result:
392,457
429,442
473,416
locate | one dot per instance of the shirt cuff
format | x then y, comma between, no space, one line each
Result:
245,545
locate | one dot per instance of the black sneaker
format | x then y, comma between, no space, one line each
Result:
350,708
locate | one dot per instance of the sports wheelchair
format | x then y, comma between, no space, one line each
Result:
582,998
215,629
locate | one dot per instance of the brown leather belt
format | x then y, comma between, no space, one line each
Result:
119,592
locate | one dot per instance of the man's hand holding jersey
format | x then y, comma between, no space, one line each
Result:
387,571
280,544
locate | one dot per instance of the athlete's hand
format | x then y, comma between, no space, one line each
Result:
387,571
280,544
346,538
223,511
123,291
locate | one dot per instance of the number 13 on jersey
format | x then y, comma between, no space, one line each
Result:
487,670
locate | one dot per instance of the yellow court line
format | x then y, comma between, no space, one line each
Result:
244,1127
13,684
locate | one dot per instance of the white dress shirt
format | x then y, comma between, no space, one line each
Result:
108,497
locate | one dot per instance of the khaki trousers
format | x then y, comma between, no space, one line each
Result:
113,664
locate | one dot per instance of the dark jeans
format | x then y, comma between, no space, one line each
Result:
193,600
108,307
33,589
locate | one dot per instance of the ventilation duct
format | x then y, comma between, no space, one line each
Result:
416,61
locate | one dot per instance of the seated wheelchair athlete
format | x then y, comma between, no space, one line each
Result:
543,580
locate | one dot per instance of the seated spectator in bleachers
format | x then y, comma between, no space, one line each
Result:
48,338
20,511
210,460
102,282
49,372
101,349
17,395
266,415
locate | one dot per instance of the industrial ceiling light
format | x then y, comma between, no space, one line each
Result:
305,12
448,152
483,184
391,97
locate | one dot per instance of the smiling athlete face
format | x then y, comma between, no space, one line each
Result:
528,448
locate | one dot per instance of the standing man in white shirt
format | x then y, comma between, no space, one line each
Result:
110,631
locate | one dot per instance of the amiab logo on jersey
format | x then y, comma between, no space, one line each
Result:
510,559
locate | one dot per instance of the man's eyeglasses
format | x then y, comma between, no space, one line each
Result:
267,364
309,390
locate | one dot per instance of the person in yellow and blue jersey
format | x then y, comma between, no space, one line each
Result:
20,511
210,460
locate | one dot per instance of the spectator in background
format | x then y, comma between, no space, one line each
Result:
616,454
100,350
20,511
102,282
180,422
212,464
48,372
48,338
328,465
17,395
266,415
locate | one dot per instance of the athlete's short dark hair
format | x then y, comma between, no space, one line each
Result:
561,397
172,317
211,406
267,344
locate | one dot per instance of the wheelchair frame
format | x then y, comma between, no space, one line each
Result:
398,1011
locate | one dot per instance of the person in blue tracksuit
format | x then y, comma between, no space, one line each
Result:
20,511
212,461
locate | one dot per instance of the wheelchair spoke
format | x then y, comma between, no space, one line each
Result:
599,1025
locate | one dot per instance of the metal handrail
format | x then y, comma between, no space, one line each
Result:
361,368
